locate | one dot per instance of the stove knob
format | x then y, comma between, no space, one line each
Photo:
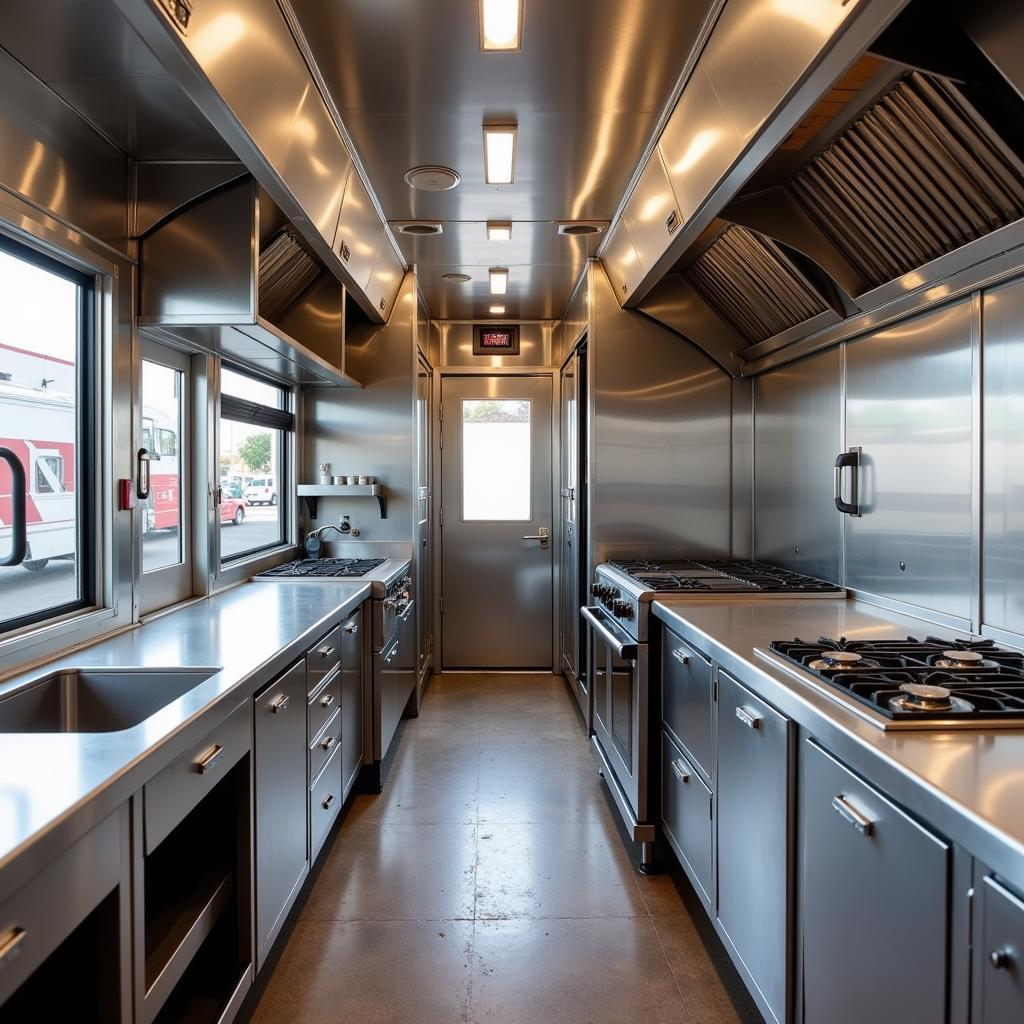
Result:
596,589
623,609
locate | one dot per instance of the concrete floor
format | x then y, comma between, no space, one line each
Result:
490,883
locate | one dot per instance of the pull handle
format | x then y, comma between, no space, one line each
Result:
1001,959
19,529
326,652
848,460
391,657
681,773
327,742
749,718
352,628
678,654
327,700
10,945
280,704
143,474
327,801
864,825
209,760
543,535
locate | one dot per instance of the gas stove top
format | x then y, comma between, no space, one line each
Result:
720,576
332,568
912,682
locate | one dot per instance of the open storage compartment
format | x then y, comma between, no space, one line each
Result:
228,274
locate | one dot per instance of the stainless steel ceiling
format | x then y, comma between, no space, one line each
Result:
412,87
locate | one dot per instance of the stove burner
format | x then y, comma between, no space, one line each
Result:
963,659
317,568
928,697
721,576
838,661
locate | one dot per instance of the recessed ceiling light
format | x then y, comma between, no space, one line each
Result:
499,153
580,227
501,24
497,310
499,231
432,178
419,227
499,280
456,278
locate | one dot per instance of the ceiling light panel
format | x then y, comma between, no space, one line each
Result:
499,280
499,231
499,153
497,310
501,25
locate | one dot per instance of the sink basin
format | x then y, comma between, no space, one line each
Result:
96,700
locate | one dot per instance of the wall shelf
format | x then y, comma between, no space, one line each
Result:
311,493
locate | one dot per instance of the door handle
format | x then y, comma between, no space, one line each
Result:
19,528
748,717
681,773
848,460
143,464
543,535
849,813
280,704
680,656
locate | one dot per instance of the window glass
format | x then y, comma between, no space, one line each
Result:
496,460
162,512
44,336
252,468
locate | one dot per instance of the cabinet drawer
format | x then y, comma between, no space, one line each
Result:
322,705
324,802
37,918
686,815
325,744
860,905
686,699
1001,973
323,657
181,785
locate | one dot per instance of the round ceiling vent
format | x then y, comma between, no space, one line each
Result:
580,227
433,178
419,227
456,278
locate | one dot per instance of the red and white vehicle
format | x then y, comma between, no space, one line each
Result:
160,511
39,427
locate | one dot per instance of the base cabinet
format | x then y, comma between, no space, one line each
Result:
999,954
280,756
352,700
874,903
753,795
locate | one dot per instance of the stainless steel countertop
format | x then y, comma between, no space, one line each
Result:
967,784
54,786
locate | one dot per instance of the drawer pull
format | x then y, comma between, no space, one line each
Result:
327,742
10,945
865,826
748,717
1001,959
327,801
327,700
681,773
680,657
280,704
209,760
352,628
326,652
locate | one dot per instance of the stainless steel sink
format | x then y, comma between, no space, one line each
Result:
96,700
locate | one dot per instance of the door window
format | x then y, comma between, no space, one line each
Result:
496,460
45,364
163,512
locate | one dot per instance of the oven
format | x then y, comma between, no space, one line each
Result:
619,674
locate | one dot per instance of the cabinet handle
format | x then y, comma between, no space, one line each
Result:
327,742
1001,959
681,773
10,944
352,629
327,801
280,703
748,717
326,652
680,657
865,826
209,760
326,702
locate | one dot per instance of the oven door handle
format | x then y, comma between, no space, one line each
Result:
624,646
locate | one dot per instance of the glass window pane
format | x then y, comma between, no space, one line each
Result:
241,386
40,349
496,460
162,425
250,468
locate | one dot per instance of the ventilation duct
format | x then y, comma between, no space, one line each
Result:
751,282
918,175
286,271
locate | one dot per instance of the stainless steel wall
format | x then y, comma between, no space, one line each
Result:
660,439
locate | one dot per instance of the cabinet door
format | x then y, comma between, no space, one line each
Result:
1000,975
281,801
753,794
351,699
686,816
874,903
686,699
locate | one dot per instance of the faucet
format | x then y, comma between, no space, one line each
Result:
345,528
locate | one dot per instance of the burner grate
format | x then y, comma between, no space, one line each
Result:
333,568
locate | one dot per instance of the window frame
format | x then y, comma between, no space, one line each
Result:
87,511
